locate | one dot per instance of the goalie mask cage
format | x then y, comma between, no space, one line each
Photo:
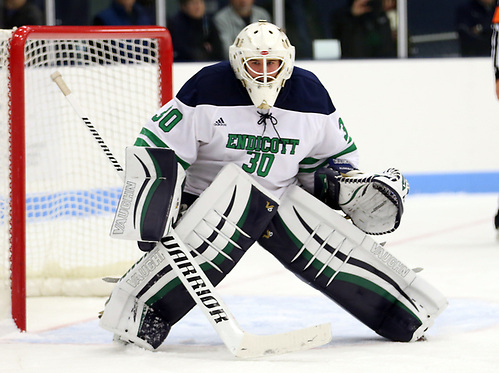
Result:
58,191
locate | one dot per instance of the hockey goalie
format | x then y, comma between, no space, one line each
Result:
253,150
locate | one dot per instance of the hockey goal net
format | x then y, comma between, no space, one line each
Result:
58,191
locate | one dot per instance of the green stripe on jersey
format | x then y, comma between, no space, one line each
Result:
155,140
311,165
350,149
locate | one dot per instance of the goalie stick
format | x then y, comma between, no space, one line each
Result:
239,342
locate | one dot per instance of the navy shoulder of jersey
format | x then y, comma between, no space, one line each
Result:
217,85
214,85
305,93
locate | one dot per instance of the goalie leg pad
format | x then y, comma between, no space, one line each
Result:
332,255
219,228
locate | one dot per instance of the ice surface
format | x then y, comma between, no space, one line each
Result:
451,236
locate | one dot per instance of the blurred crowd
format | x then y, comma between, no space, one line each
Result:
202,30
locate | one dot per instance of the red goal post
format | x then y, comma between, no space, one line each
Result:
56,185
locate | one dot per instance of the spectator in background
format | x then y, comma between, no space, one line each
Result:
194,35
390,8
72,12
473,26
231,19
298,28
123,13
364,31
301,22
17,13
149,7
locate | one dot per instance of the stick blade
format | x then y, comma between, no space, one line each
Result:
253,346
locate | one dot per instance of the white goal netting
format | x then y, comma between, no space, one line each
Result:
71,187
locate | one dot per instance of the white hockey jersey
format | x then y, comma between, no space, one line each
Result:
212,122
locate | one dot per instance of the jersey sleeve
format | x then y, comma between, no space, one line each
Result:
333,142
185,123
307,95
175,126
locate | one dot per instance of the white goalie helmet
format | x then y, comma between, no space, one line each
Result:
266,42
